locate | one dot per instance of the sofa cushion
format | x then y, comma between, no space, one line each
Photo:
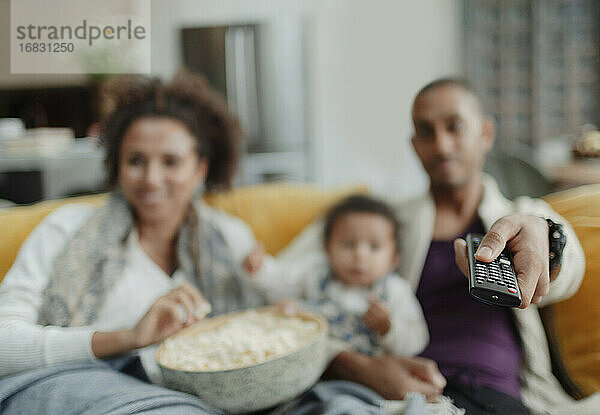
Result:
275,212
576,321
18,222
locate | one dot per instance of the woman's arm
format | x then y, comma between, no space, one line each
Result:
25,344
28,345
179,308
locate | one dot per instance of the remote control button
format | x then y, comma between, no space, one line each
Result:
504,261
512,290
500,283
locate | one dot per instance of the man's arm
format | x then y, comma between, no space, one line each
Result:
527,238
390,376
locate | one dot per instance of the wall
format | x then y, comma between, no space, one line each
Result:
366,60
372,58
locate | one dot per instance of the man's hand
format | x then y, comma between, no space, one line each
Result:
527,239
396,376
390,376
377,317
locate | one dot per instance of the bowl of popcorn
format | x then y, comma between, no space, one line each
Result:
246,361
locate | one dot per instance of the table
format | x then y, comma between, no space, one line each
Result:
29,178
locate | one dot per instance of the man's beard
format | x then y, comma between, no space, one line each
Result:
447,184
450,185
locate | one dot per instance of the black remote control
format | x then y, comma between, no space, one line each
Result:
492,282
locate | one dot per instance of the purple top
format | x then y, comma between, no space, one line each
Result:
471,341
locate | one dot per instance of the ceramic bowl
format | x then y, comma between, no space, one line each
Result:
255,387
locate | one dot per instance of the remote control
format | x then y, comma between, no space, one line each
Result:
492,282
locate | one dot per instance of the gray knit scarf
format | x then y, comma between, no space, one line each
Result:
94,260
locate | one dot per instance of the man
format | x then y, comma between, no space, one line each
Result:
494,359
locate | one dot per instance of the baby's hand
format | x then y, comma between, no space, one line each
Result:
253,262
377,317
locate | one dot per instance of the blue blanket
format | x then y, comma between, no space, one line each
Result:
93,388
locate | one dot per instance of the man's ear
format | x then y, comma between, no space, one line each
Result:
412,142
488,133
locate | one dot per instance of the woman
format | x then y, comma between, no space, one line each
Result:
99,283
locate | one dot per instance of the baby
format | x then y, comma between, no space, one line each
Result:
369,307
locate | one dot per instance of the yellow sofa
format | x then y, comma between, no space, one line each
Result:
574,324
275,212
278,212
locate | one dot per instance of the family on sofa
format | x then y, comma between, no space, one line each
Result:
93,290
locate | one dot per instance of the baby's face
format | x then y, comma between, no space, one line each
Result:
361,248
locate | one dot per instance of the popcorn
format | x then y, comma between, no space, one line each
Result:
244,340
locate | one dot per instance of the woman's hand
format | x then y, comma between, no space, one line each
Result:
527,239
170,313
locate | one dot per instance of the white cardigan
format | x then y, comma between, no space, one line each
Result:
27,345
540,390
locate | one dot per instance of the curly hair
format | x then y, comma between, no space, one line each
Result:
188,99
361,204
